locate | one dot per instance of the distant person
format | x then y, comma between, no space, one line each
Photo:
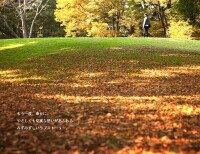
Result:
146,25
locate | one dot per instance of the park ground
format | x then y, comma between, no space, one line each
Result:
113,95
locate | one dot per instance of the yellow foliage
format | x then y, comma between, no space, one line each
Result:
100,30
180,29
81,16
73,15
112,12
162,2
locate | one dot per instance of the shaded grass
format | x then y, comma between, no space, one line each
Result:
61,65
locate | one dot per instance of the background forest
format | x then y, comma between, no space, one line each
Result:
99,18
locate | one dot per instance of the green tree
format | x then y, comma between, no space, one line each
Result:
189,9
23,8
9,25
46,26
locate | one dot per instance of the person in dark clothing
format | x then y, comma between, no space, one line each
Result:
146,25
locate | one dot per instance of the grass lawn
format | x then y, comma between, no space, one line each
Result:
99,95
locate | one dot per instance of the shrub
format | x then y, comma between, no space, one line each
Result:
100,30
180,29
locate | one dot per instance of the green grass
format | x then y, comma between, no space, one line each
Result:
57,58
21,49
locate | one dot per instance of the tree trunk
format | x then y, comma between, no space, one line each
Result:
24,26
131,30
22,13
162,18
166,24
117,20
113,23
32,24
169,4
142,3
38,11
8,27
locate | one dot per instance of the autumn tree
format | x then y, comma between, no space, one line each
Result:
175,14
158,9
185,14
72,14
122,17
79,16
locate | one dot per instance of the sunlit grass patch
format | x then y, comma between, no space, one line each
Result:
11,46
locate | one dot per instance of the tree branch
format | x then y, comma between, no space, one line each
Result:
8,27
38,11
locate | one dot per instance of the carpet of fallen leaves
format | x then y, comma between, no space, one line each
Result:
155,110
